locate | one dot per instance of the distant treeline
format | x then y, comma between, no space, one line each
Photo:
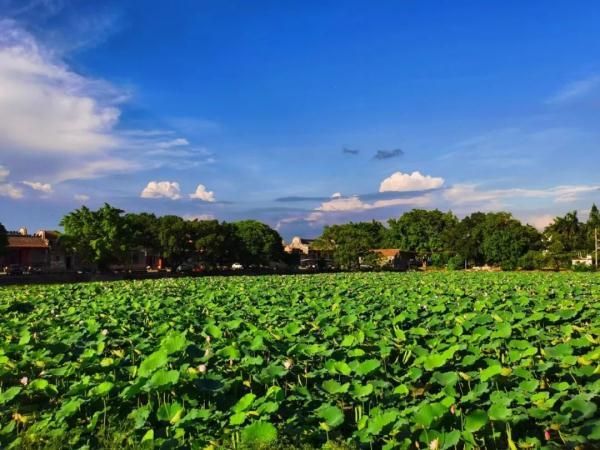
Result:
497,239
108,235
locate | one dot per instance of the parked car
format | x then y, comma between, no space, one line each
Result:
237,266
185,267
14,269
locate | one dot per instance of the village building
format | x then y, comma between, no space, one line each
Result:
394,258
308,256
26,250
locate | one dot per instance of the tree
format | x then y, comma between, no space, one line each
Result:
592,224
98,237
175,242
144,231
260,244
420,231
563,237
216,243
348,243
492,238
3,240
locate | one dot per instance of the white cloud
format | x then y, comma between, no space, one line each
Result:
199,217
541,221
37,186
4,173
356,204
47,108
461,194
202,194
82,197
403,182
158,189
336,195
173,143
576,90
10,190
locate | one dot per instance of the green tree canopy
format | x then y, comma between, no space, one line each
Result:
349,242
260,244
216,243
98,237
420,231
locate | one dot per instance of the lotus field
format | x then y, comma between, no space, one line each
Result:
430,361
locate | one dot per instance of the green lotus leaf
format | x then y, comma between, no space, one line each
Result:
475,420
153,362
332,415
259,433
170,412
366,367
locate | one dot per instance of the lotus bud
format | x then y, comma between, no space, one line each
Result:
104,332
230,362
208,339
202,368
453,409
24,381
417,444
435,444
547,435
207,353
287,364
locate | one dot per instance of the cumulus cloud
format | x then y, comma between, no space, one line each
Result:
202,194
336,195
162,189
388,154
37,186
403,182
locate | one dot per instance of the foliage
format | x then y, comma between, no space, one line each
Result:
260,244
3,240
350,242
99,237
383,360
455,262
420,230
533,260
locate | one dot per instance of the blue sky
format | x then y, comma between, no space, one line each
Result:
299,114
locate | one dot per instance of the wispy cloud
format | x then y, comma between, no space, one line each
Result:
37,186
350,151
388,154
576,90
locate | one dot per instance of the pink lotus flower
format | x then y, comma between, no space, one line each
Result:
435,444
453,409
104,332
547,435
288,364
202,368
24,381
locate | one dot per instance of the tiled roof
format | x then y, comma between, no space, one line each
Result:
26,242
386,251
